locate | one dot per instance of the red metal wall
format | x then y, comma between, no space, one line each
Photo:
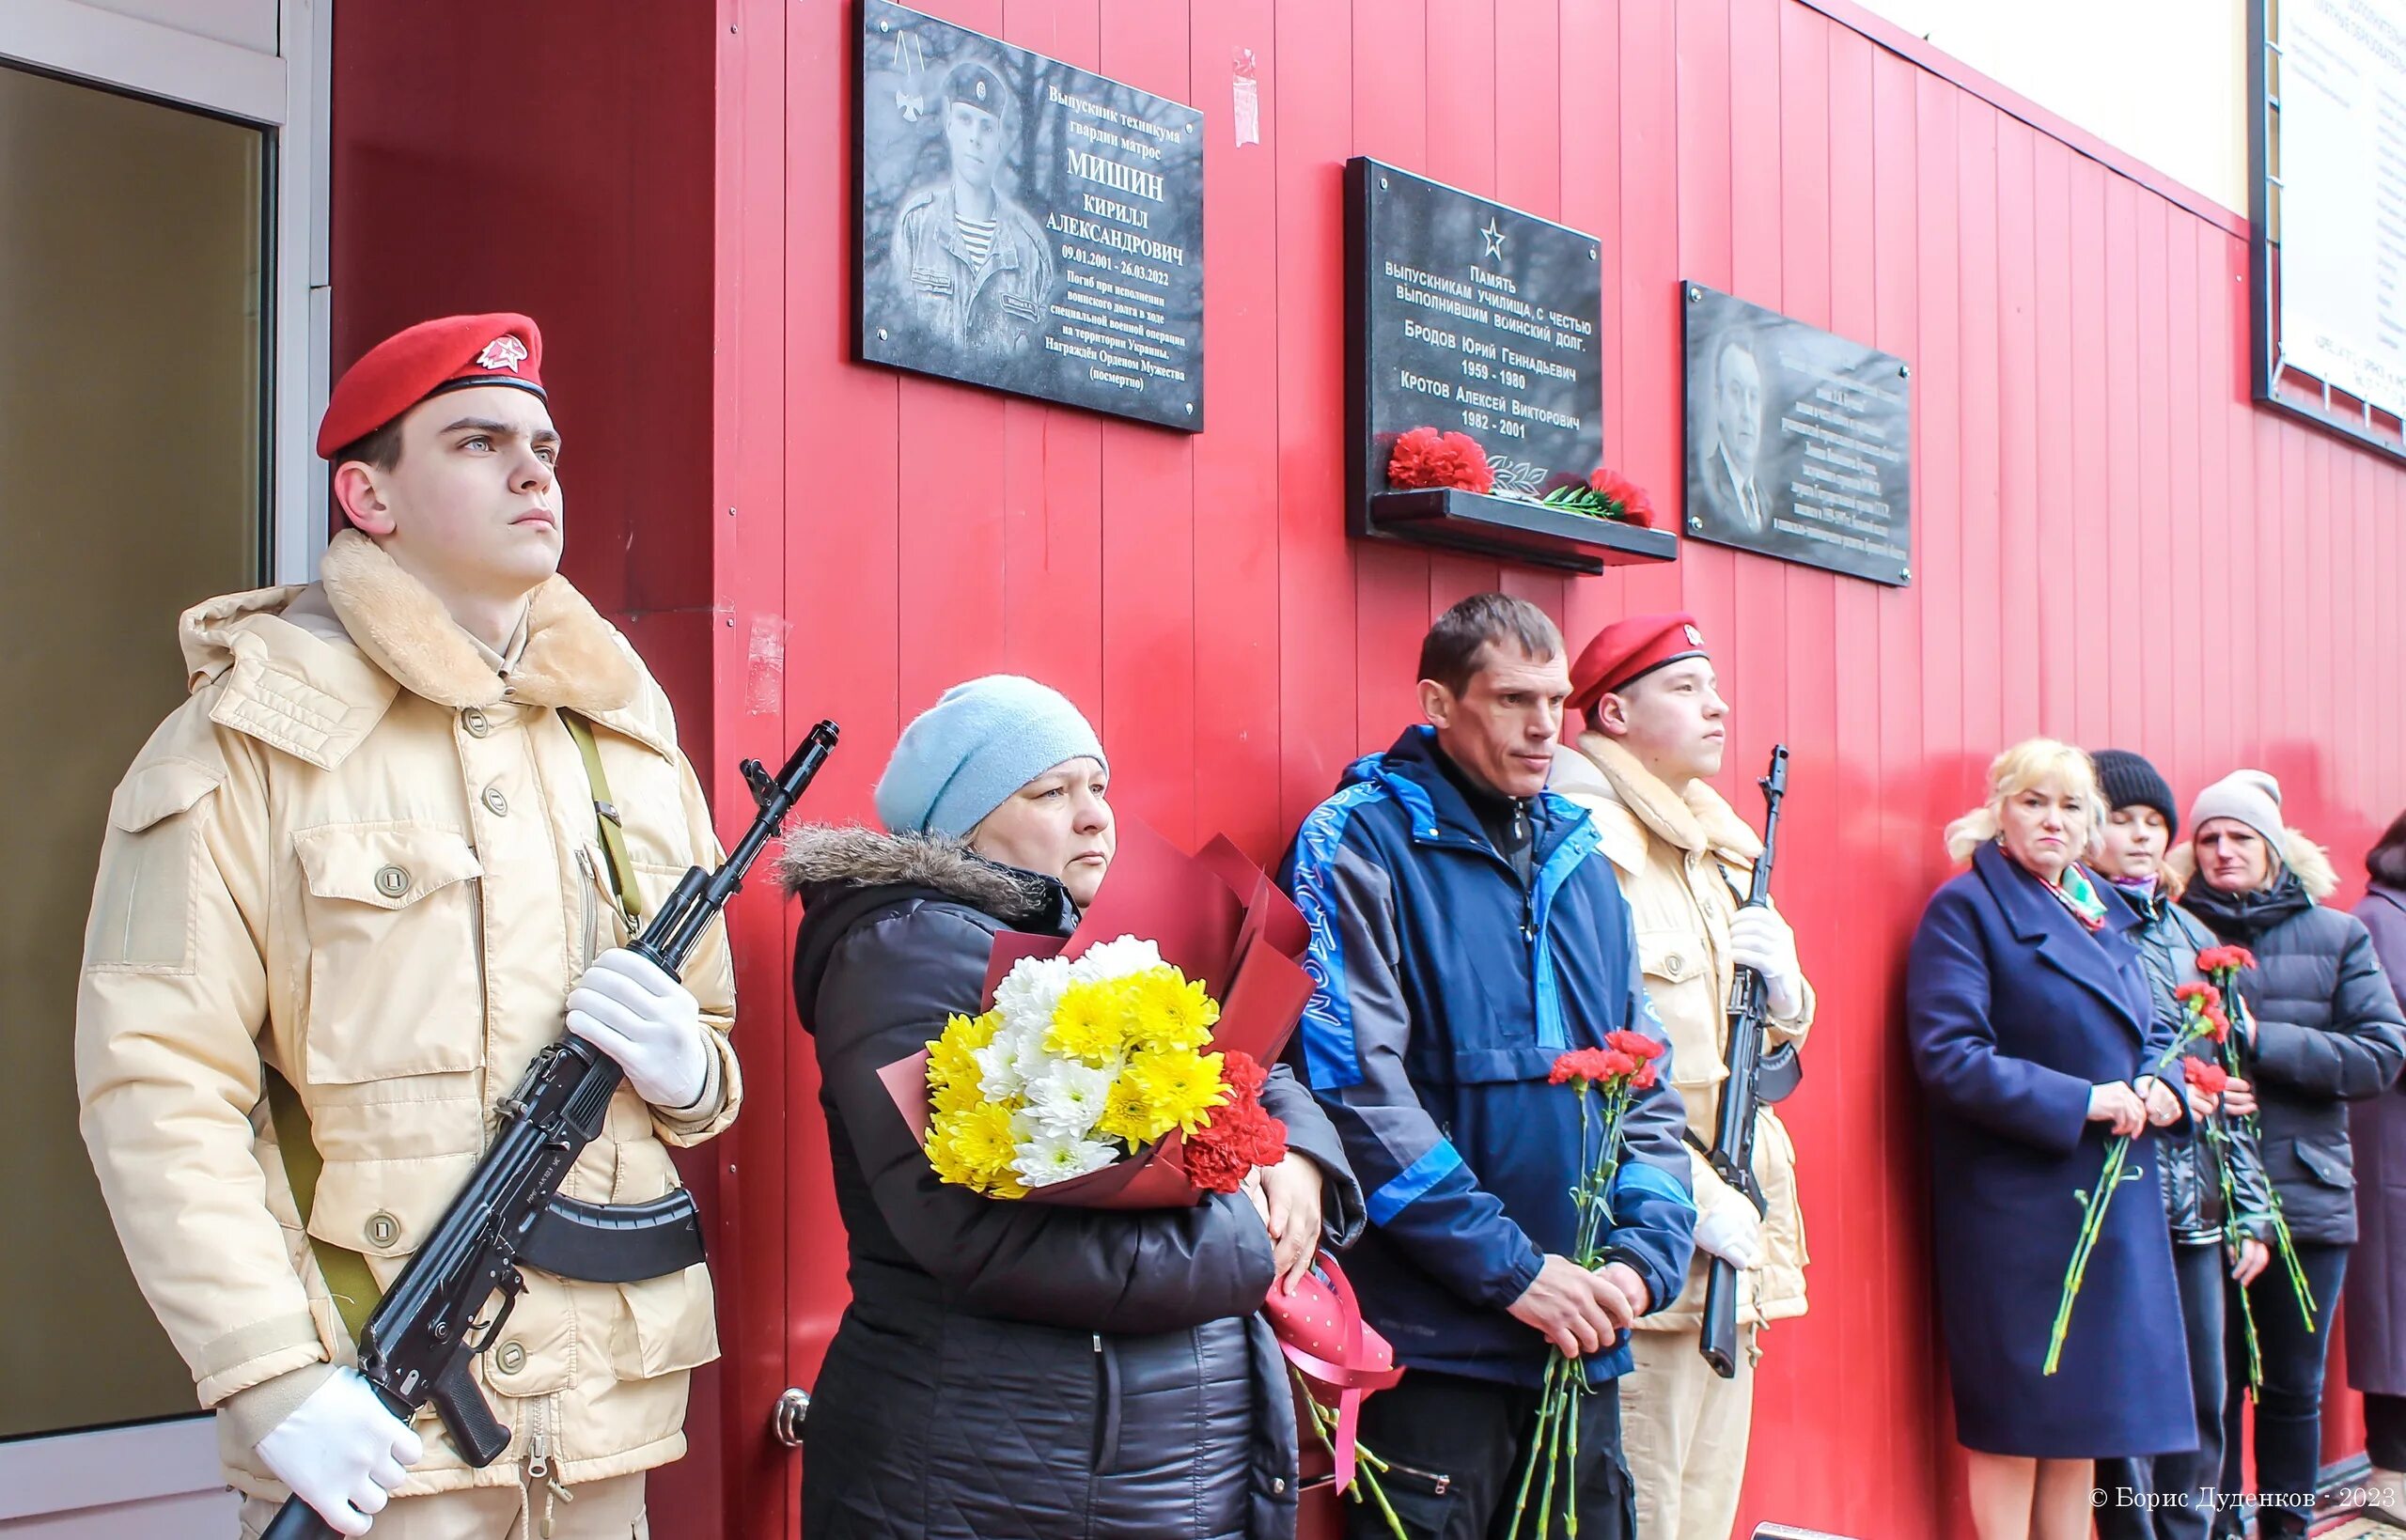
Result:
2112,544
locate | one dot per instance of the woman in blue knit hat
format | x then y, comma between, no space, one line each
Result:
1013,1369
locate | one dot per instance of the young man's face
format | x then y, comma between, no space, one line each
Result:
1503,726
2133,845
976,140
473,504
1673,720
2232,857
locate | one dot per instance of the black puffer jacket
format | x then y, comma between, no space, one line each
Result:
2326,1031
1009,1369
2169,939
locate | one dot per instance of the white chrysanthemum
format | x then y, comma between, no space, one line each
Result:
998,1074
1116,959
1068,1099
1030,991
1046,1160
1030,1061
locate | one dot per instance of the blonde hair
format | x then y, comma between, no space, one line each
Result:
2033,762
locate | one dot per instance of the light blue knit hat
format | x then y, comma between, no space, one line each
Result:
970,751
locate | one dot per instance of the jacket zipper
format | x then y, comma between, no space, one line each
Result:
1439,1483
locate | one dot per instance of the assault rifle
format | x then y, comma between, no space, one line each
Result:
418,1341
1753,1081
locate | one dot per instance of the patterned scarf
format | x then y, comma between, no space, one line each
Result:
2081,896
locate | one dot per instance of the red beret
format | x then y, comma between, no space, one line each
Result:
1628,648
433,356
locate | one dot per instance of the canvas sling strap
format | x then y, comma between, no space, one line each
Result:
347,1274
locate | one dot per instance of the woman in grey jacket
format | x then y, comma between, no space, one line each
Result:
1010,1370
2320,1029
2170,1496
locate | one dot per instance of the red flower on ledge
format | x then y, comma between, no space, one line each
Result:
1622,498
1425,458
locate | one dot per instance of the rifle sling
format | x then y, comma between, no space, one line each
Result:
348,1277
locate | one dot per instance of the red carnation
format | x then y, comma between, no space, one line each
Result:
2217,1023
1425,458
2205,994
1623,498
1240,1135
1245,1075
1215,1167
2207,1078
1644,1079
2223,960
1635,1044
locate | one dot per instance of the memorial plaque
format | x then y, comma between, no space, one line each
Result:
1025,224
1799,443
1472,316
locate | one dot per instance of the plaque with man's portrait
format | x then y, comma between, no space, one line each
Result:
1025,224
1798,442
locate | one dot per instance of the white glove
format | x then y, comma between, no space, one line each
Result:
627,1007
341,1452
1760,939
1734,1232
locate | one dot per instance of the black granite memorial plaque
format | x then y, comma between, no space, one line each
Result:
1025,225
1799,443
1469,317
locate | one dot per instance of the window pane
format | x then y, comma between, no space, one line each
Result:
131,345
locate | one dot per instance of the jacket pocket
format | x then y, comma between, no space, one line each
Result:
396,975
2332,1168
1682,986
668,1324
1424,1500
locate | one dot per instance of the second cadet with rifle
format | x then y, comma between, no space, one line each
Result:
382,857
1655,731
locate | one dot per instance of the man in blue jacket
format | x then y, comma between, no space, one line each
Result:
1465,930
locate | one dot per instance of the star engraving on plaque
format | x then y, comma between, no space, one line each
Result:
1495,240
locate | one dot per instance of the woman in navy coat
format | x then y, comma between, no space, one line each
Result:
2031,1026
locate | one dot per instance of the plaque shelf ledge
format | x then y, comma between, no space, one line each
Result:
1455,519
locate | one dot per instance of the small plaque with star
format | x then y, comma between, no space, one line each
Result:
1472,316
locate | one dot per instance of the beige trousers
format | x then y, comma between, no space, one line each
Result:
1683,1432
601,1510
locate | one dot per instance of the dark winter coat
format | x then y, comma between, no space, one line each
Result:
1007,1369
2013,1012
2169,939
2376,1287
2325,1031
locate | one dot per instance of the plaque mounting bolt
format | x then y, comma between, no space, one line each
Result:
1696,525
880,334
1905,574
1903,371
1189,409
1591,253
1696,296
1382,181
881,27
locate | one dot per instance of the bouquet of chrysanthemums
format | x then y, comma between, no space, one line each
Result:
1123,1067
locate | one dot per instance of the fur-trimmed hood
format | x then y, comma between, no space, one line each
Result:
820,857
2299,854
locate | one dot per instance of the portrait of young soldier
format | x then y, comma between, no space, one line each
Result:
348,889
1655,729
973,264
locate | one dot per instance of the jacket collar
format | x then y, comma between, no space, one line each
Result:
574,660
1698,823
2244,916
1438,811
2040,917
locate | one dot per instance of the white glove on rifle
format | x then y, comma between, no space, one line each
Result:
1734,1232
1760,938
631,1010
341,1452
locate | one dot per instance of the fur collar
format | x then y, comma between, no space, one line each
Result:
1600,772
819,856
2309,860
573,659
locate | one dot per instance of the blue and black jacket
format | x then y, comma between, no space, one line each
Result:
1447,985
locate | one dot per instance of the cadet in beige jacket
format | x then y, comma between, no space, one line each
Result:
1655,731
364,856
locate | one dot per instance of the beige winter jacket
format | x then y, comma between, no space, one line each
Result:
1683,865
360,854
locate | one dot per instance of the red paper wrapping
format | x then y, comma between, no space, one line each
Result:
1219,920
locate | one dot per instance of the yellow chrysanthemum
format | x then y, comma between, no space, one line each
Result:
959,1096
1129,1115
1170,1012
1086,1024
972,1148
1177,1085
